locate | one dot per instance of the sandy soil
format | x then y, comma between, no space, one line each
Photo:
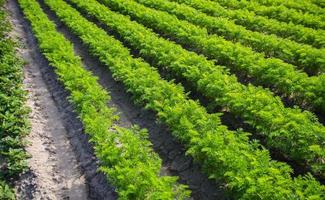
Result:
52,158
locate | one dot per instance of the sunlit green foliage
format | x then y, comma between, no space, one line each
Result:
224,155
13,113
262,24
305,57
125,154
289,130
280,13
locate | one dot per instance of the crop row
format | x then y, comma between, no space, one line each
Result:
280,13
301,5
125,154
304,56
320,3
262,24
282,77
13,113
282,126
224,154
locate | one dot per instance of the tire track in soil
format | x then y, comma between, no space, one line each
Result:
170,151
62,165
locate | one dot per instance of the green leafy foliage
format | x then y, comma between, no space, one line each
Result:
280,13
310,59
289,130
320,3
254,22
13,113
270,72
6,192
127,149
224,155
305,6
125,155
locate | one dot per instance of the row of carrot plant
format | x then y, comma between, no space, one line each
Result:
280,13
13,112
254,22
295,133
320,3
125,154
224,155
305,57
305,6
282,77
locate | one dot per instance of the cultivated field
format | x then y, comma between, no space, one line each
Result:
162,99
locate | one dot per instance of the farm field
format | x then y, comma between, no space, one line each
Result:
162,99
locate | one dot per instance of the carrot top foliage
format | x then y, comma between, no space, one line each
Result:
13,113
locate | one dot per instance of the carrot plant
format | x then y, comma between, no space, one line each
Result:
254,22
125,154
305,57
280,13
13,112
305,6
293,132
224,155
270,72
